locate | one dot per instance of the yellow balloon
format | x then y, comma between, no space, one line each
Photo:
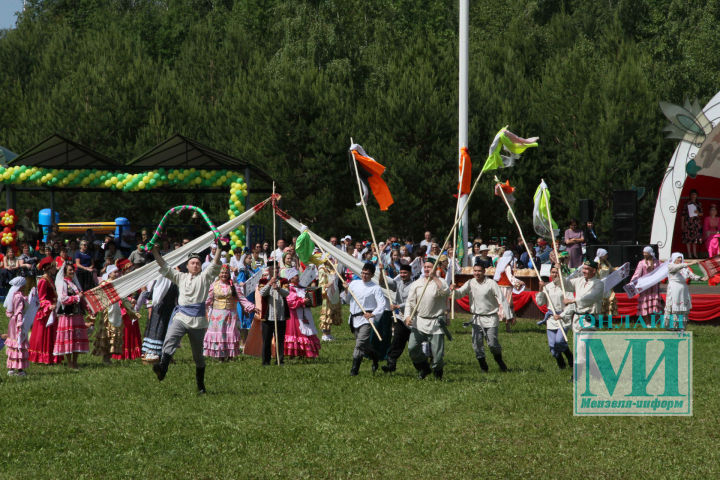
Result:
141,185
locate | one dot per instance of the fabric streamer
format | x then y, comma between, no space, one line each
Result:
102,296
641,284
616,277
177,210
508,141
541,222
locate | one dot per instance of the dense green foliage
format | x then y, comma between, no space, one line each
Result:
310,419
285,84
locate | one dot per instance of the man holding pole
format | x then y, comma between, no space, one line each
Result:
273,293
589,293
485,301
561,317
367,304
429,323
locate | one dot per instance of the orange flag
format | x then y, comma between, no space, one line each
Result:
370,175
466,172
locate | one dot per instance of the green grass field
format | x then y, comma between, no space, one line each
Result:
310,419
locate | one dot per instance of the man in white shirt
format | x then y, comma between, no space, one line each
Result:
485,301
189,315
429,323
552,293
427,242
278,253
372,301
589,292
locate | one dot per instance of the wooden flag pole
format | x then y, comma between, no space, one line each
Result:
347,286
527,249
454,233
447,239
277,270
555,247
372,232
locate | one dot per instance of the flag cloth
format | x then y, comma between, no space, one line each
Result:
541,219
507,140
508,190
370,173
465,172
304,247
460,252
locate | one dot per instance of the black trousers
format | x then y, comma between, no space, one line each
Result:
268,330
401,335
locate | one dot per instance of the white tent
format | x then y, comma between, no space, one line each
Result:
698,156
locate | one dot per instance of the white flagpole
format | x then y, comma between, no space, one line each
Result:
464,27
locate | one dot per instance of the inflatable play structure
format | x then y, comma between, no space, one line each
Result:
116,227
695,165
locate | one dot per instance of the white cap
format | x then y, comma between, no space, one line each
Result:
347,237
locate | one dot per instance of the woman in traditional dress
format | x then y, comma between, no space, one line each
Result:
711,228
245,273
677,299
574,239
692,234
109,334
649,300
132,338
71,338
507,281
163,295
330,311
221,339
609,306
301,336
44,329
17,344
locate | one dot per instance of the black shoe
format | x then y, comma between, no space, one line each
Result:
438,373
569,356
200,379
161,367
483,364
355,366
375,366
499,360
561,362
423,370
390,367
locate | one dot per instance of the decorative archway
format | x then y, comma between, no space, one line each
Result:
694,165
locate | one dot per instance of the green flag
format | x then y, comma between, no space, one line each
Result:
541,207
304,247
510,142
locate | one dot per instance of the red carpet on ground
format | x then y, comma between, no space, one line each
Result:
705,307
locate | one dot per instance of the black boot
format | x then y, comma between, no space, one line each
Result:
560,361
200,379
423,369
569,356
483,364
390,367
499,360
375,364
161,367
438,373
355,366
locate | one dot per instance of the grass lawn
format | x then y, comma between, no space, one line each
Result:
310,419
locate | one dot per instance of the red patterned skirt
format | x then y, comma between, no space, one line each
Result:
71,336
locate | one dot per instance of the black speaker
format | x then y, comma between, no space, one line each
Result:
625,229
624,202
587,211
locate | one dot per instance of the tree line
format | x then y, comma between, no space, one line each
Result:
284,84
